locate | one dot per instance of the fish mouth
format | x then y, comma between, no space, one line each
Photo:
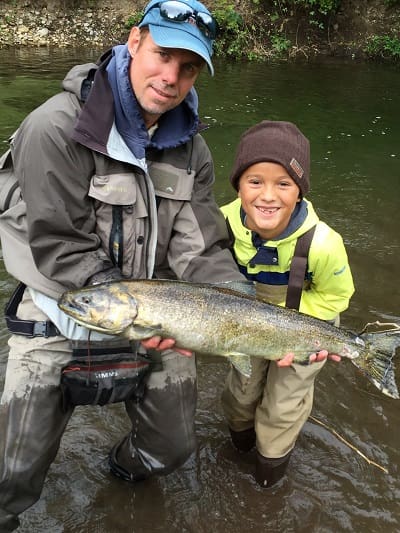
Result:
72,309
99,329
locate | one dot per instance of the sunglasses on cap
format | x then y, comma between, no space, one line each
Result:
175,11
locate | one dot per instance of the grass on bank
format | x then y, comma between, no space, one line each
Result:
281,29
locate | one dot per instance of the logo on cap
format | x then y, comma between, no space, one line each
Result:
296,167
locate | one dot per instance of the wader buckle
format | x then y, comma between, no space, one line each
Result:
28,328
44,328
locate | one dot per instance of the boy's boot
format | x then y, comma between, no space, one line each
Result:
270,471
244,440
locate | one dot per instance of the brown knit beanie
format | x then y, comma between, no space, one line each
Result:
277,142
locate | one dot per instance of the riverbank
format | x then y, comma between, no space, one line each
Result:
26,23
359,29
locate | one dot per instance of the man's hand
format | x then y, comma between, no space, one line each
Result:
314,358
110,274
160,344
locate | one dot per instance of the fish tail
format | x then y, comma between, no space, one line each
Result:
378,365
384,341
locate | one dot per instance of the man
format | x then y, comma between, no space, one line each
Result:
115,182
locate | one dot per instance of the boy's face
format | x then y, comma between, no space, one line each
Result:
269,196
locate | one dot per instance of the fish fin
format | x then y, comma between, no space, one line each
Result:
380,372
242,363
247,287
138,332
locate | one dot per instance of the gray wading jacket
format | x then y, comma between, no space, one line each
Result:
74,168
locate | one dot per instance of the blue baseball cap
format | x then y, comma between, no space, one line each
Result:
186,35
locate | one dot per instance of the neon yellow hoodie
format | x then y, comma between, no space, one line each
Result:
328,286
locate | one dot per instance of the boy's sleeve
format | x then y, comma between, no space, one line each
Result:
331,284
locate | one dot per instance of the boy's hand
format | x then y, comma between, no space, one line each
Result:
314,358
160,344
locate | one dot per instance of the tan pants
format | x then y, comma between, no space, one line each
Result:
276,401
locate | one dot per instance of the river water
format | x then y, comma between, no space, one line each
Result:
351,114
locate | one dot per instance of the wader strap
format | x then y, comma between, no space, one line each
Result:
29,328
298,269
231,236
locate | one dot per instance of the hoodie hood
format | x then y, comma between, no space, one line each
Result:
75,77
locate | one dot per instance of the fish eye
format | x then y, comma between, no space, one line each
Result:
86,299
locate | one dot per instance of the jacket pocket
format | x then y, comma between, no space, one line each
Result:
114,189
171,182
121,220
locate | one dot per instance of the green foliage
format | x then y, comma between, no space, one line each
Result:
384,47
263,29
233,35
134,19
227,17
317,11
322,6
9,20
280,45
314,7
246,36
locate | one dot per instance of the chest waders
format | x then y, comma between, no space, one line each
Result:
298,266
269,471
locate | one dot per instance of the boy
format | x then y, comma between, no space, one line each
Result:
272,176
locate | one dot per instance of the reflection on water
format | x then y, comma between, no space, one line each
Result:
351,113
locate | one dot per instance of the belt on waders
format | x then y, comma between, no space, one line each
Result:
28,328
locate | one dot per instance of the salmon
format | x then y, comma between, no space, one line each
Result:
218,320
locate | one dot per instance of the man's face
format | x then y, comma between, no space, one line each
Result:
160,77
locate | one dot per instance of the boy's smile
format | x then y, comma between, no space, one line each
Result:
269,196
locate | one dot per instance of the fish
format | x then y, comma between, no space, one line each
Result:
222,321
